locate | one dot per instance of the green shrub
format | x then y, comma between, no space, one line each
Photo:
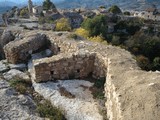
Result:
73,36
98,89
96,26
143,62
115,9
21,85
63,24
46,110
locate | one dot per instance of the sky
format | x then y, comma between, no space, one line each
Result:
24,1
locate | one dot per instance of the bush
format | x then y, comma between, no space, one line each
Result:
73,36
127,13
63,25
115,40
156,63
98,88
99,39
82,32
43,20
143,62
24,12
96,26
46,110
21,85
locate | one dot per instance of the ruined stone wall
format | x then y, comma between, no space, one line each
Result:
20,50
100,67
64,66
132,94
62,46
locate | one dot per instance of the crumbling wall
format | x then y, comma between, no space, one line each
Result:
100,67
64,66
20,50
132,94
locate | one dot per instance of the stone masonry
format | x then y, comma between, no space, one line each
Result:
20,50
64,66
132,94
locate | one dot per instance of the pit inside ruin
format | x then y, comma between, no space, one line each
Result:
71,72
67,66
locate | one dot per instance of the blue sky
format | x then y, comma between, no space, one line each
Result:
22,1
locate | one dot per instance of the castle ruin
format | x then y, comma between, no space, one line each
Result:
132,94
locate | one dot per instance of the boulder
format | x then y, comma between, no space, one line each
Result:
21,66
20,51
15,73
3,67
14,106
6,37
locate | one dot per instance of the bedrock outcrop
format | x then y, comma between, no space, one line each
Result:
132,94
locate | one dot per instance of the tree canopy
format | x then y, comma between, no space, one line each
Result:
96,26
47,5
115,9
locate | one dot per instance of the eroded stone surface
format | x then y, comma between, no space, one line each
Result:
3,67
82,107
21,50
15,107
13,74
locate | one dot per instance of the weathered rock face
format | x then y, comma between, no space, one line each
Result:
20,51
14,106
14,73
6,37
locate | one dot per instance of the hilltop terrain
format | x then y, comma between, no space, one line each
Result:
125,4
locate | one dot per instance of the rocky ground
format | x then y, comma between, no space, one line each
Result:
14,106
73,97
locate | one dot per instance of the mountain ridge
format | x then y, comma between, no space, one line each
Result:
124,4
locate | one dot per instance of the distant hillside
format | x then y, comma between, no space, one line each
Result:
125,4
4,9
6,3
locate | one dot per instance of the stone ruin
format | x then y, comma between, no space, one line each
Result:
20,50
132,94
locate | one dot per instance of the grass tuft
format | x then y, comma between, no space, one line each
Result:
21,85
46,110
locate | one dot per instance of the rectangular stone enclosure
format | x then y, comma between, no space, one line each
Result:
66,66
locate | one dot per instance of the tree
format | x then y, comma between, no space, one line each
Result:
102,7
63,25
127,13
24,12
96,26
115,9
47,5
115,40
156,63
41,14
